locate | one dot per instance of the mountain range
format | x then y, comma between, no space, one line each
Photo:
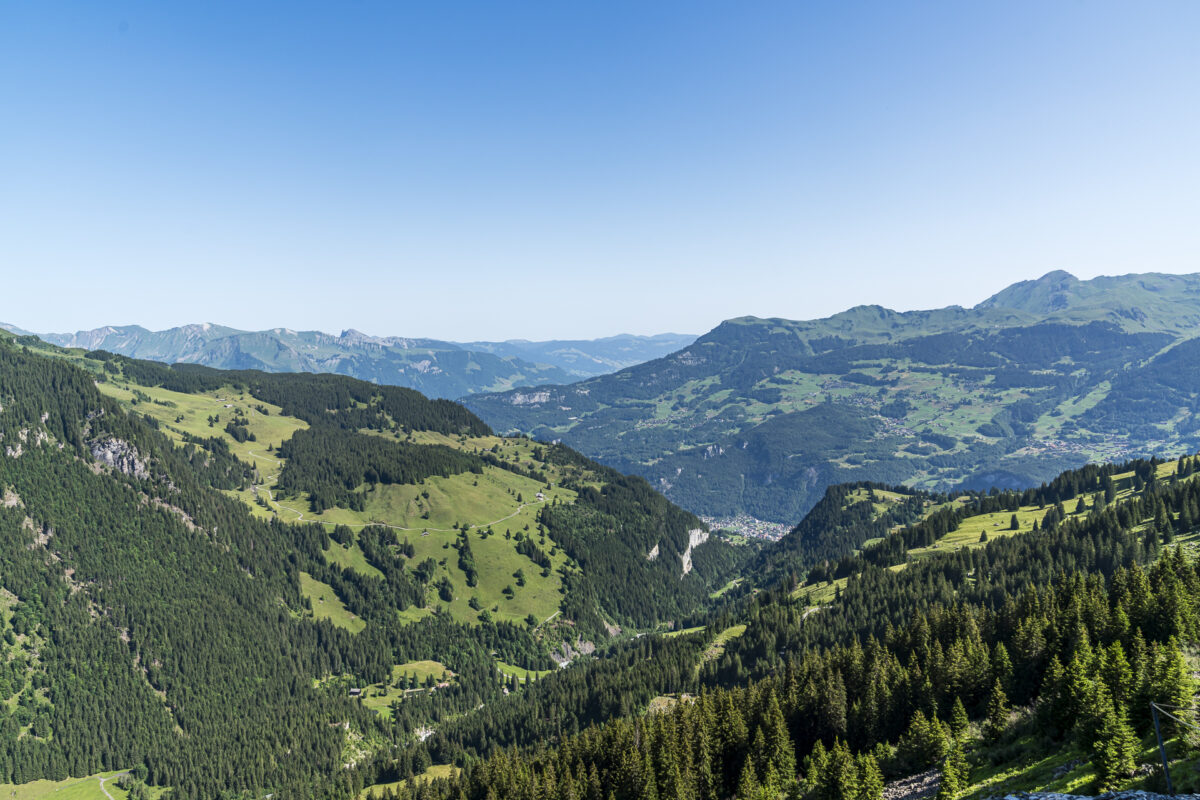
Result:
241,584
238,583
436,368
760,416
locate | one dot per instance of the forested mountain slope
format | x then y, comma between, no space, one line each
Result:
159,614
436,368
165,609
1026,660
760,416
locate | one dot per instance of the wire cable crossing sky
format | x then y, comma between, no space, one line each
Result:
545,170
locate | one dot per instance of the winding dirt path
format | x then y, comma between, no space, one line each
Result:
110,778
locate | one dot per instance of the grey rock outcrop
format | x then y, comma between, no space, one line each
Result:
119,455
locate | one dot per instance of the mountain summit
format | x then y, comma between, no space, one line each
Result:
1046,295
759,416
1152,301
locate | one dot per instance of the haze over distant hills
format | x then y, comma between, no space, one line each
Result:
436,368
759,416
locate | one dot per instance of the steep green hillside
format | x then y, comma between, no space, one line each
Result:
1026,662
157,617
760,416
509,530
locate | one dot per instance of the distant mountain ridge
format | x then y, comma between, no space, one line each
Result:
759,416
436,368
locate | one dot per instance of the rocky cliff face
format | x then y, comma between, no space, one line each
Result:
696,537
119,455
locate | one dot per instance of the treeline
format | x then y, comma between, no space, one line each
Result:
331,463
621,681
1073,486
319,399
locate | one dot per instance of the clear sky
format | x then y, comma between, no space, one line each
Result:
561,169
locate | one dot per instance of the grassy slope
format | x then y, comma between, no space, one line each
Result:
327,605
520,673
71,789
434,772
968,534
429,523
380,696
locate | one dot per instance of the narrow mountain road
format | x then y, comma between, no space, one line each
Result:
109,778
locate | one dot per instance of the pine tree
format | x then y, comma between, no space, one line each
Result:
997,719
842,774
779,751
1116,749
954,773
748,787
958,718
870,778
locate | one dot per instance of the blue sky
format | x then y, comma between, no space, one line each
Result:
554,170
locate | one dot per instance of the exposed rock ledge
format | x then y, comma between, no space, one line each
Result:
696,537
119,455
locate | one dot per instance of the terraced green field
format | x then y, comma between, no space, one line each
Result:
190,413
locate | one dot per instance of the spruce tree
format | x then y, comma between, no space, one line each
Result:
958,718
870,778
954,773
1002,668
1116,749
748,787
923,744
842,774
779,751
997,718
816,766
